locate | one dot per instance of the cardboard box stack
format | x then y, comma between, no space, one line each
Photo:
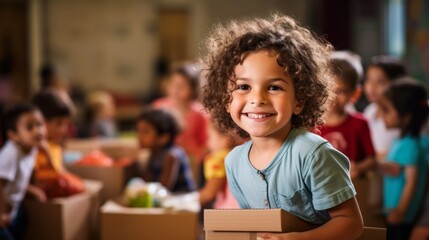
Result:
120,222
245,224
68,218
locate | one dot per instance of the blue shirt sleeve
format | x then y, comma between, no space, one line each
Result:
327,176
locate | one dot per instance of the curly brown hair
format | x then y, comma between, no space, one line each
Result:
303,56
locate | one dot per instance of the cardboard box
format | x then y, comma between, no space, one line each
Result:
256,220
245,224
113,178
62,218
119,222
114,148
94,189
369,233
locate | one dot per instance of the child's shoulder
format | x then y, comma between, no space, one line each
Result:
9,149
306,140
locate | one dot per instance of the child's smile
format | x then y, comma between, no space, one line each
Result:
263,100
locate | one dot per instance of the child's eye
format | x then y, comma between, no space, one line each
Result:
243,87
274,88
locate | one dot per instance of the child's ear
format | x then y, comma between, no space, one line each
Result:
356,94
298,108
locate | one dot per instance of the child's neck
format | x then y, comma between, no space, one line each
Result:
24,149
335,118
263,151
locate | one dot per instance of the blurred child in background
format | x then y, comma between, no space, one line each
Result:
349,133
355,61
49,167
100,115
168,163
404,106
216,187
26,131
382,71
180,100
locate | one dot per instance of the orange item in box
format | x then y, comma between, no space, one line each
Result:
63,185
95,158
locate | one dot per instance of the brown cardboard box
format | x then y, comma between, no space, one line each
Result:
256,220
94,189
244,224
119,222
369,233
62,218
113,178
114,148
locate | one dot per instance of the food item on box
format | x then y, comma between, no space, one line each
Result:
138,193
95,158
141,199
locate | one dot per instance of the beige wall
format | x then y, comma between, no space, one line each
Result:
111,44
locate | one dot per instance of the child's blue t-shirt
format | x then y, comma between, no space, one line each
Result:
406,151
306,177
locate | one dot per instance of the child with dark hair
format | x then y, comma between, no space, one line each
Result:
26,131
404,106
347,132
168,163
380,73
268,79
49,162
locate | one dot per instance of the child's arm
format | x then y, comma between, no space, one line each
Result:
346,223
360,168
390,168
36,192
170,171
210,189
397,214
4,210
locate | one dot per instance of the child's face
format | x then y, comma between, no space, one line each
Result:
58,129
388,113
148,137
178,88
30,130
263,101
343,95
375,83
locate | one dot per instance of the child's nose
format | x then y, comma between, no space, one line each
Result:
258,97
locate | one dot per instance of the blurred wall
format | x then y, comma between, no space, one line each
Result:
112,44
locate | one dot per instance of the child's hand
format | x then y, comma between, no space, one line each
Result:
37,193
276,236
395,216
390,168
354,170
4,220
